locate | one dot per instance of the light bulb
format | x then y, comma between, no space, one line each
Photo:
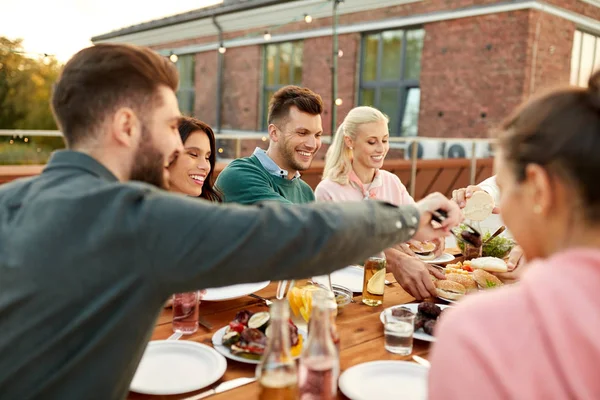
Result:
222,49
267,35
307,18
338,102
173,58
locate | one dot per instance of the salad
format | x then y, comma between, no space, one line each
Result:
498,247
246,335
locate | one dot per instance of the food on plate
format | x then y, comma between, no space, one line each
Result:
450,290
427,316
401,312
492,264
246,335
499,246
429,326
479,206
423,250
459,268
430,310
464,280
485,280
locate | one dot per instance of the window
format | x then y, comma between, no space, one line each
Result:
389,79
585,58
282,67
187,90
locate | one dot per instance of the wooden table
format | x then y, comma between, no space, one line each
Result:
361,333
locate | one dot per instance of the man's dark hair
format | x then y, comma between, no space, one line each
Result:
304,99
100,79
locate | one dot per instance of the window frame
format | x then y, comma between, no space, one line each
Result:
403,85
187,90
595,58
276,86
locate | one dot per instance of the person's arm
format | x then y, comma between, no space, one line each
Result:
460,196
193,244
322,192
245,183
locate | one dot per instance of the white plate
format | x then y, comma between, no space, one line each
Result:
448,300
444,258
419,334
175,367
234,291
217,341
385,380
351,277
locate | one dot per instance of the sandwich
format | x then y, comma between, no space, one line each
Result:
486,280
449,290
465,280
479,206
423,250
492,264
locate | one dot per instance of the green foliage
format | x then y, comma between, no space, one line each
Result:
25,88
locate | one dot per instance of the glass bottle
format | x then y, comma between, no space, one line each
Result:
276,373
374,280
319,363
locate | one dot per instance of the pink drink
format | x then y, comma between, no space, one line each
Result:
185,312
317,379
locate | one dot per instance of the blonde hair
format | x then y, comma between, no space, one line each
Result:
338,160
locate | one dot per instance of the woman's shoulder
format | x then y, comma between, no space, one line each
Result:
328,189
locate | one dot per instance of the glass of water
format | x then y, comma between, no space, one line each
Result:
399,328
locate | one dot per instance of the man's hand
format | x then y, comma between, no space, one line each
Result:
431,203
412,274
460,196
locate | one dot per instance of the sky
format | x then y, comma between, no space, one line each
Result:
63,27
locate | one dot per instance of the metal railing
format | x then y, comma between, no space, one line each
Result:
430,148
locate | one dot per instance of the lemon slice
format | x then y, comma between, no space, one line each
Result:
377,283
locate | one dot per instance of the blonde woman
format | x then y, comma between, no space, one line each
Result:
353,172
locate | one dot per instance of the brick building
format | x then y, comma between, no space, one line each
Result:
438,68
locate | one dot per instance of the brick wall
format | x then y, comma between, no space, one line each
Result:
472,73
205,106
241,87
551,39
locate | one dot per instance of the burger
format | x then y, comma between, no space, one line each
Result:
449,290
485,280
465,280
423,250
492,264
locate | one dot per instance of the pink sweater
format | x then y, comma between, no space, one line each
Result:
538,339
386,187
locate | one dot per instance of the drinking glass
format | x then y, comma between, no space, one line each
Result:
399,330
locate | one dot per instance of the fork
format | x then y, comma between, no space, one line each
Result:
267,301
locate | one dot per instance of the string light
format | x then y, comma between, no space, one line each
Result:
173,57
338,102
264,138
220,150
26,140
267,35
222,49
307,18
340,53
11,141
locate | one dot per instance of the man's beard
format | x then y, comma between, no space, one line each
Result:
148,163
288,156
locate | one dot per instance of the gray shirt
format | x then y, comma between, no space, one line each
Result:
86,263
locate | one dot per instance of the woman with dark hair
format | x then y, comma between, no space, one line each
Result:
192,172
537,339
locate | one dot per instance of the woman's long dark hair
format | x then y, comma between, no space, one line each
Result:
187,126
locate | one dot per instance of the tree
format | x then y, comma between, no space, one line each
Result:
25,87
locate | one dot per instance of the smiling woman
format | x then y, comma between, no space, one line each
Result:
192,172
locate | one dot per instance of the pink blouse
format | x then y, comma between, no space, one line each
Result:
537,339
386,187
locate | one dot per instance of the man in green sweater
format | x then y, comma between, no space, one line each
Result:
295,131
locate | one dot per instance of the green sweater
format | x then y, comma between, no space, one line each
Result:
246,181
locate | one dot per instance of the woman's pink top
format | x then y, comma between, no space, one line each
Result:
537,339
385,186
